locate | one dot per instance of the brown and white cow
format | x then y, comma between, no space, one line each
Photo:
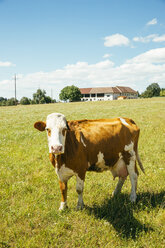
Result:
76,147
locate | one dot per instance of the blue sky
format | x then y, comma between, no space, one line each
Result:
50,44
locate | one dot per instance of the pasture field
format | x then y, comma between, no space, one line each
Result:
29,189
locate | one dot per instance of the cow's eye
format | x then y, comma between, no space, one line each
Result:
49,131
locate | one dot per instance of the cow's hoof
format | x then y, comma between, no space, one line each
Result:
63,206
80,206
113,194
133,198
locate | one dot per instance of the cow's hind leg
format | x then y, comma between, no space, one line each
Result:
63,188
133,179
79,189
119,186
130,158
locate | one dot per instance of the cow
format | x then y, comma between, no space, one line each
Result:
78,146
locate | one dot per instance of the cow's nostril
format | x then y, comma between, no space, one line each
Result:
60,148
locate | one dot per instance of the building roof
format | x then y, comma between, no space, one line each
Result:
104,90
124,89
117,89
85,90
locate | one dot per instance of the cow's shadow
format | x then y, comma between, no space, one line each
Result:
119,212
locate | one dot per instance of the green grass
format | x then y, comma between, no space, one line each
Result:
30,195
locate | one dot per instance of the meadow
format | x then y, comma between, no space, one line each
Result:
29,189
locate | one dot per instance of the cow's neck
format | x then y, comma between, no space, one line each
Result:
71,147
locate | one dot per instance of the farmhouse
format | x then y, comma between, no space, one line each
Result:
107,93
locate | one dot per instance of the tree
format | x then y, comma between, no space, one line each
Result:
48,99
3,101
138,94
39,96
25,101
152,90
162,92
71,93
11,102
146,94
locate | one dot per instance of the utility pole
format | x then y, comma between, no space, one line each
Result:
15,83
52,94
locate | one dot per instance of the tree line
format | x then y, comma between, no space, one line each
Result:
69,93
38,98
73,94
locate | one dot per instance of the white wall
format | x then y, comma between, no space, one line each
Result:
107,97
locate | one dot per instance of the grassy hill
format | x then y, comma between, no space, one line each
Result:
30,195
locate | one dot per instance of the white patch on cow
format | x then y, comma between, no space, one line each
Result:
131,170
63,205
101,162
130,148
79,189
64,173
89,165
82,141
56,122
124,122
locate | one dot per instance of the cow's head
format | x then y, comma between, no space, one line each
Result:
56,127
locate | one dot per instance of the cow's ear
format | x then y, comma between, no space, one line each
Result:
40,125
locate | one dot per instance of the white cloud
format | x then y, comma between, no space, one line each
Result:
159,38
107,55
152,22
6,64
150,57
116,40
145,39
137,73
150,38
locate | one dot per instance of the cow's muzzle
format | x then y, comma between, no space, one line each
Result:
57,149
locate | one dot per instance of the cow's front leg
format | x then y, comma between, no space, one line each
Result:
79,189
63,188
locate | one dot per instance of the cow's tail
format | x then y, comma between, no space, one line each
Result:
139,162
